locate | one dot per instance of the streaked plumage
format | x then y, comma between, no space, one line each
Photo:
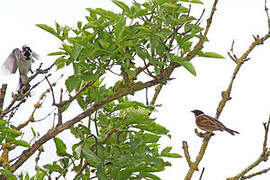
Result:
208,123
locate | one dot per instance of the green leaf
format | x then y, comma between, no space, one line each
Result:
26,177
53,167
21,143
65,107
60,62
209,55
120,27
34,132
47,28
57,53
152,127
101,172
8,174
79,25
72,83
150,138
166,150
196,1
160,2
151,176
3,123
166,153
91,157
64,162
61,148
122,5
10,131
76,50
193,1
187,65
58,28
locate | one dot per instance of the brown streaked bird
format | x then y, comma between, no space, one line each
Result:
208,123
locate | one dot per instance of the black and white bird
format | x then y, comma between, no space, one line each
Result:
22,60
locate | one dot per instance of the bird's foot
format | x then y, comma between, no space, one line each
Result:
208,135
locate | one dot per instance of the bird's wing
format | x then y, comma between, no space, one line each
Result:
35,55
11,62
218,124
210,123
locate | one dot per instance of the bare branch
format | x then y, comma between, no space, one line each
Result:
51,90
157,91
186,152
263,157
188,57
2,96
256,173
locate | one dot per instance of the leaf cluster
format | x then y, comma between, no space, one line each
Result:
120,139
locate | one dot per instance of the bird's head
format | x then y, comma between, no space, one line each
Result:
197,112
27,52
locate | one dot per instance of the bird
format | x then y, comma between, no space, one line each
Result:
209,124
21,59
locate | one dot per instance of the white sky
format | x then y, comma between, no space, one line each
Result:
234,20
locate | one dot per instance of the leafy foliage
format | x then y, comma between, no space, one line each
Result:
155,33
120,139
125,145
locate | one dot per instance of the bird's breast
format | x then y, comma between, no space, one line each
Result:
24,66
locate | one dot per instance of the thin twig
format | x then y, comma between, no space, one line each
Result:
2,96
59,108
51,88
256,173
146,97
71,98
263,157
202,174
114,129
20,96
81,170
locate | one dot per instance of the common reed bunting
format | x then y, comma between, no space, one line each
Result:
208,123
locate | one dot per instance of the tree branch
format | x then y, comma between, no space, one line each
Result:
263,157
97,105
2,96
186,152
188,57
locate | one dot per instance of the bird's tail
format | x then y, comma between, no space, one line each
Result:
232,132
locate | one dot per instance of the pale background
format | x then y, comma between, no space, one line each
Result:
234,20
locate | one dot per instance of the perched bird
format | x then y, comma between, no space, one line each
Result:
208,123
21,59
